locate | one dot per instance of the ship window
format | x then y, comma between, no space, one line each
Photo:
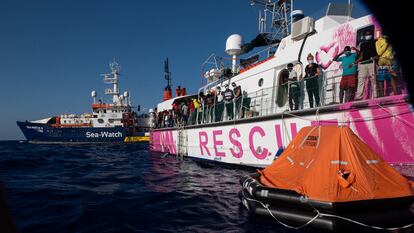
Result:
111,121
361,33
104,111
64,121
100,121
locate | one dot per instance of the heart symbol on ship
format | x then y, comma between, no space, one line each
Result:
326,54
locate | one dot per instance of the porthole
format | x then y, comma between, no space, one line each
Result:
100,121
260,82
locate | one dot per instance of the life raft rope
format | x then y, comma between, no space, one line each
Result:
319,214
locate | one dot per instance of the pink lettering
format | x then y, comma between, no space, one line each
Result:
293,130
236,143
264,151
217,142
278,136
203,143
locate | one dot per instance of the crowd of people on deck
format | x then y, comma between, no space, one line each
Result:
214,106
373,63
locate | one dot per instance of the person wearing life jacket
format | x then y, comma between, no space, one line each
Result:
385,60
312,73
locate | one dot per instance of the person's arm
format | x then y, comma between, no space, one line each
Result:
355,49
337,56
361,55
318,71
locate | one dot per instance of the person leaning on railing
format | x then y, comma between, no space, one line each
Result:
349,70
366,66
312,72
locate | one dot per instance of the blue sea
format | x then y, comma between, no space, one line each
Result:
121,188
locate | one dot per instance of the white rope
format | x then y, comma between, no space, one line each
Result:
361,119
319,214
280,222
366,225
396,116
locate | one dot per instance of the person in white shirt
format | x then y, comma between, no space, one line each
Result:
294,91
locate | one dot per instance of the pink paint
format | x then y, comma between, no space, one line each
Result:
325,122
217,142
330,51
344,35
203,142
293,130
278,136
169,142
388,136
262,133
236,143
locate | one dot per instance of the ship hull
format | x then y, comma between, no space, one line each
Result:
44,133
386,125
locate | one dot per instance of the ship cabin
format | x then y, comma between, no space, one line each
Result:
262,80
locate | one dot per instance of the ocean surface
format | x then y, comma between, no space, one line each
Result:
121,188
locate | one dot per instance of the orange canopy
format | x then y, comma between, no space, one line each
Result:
330,163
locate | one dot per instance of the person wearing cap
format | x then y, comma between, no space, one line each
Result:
293,88
312,72
366,67
228,96
349,70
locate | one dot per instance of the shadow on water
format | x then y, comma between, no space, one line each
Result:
122,188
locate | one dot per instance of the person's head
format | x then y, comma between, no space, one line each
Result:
310,58
179,87
368,35
347,50
233,84
290,66
218,88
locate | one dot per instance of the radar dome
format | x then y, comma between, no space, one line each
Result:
234,44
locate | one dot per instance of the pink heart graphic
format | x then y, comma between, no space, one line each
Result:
329,51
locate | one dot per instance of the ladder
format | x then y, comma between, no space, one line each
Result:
182,141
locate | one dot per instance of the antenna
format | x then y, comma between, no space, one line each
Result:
167,73
279,13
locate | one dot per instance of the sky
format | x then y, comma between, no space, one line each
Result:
53,52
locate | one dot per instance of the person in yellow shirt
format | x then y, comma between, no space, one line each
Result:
385,60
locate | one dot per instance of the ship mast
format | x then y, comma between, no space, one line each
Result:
113,78
274,17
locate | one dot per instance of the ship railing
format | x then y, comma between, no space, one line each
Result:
278,99
267,101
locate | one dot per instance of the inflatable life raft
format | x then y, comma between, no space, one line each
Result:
329,179
296,211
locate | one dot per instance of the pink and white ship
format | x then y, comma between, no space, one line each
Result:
263,126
